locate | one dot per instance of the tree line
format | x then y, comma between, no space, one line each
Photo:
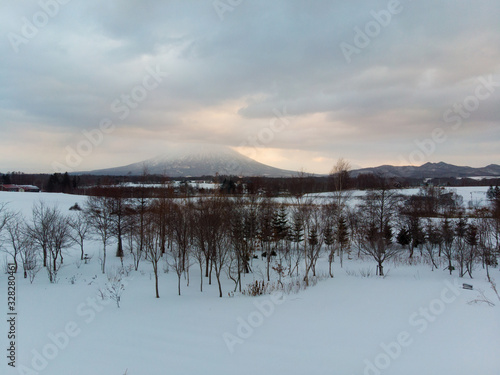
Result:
302,183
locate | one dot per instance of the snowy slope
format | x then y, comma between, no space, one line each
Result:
194,160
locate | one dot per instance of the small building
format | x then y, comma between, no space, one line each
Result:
9,187
20,188
29,188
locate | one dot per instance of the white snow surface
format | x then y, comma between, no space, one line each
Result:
340,326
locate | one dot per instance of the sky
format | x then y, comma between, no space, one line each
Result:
294,84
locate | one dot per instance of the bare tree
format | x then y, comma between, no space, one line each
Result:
461,245
378,244
41,227
378,210
199,244
115,287
356,229
30,258
493,195
448,236
100,218
152,246
433,241
119,210
80,230
339,176
314,242
202,233
59,240
4,218
133,232
220,211
486,240
181,222
21,242
472,241
14,226
329,239
267,213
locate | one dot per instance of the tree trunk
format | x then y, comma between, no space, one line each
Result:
218,281
207,261
380,269
156,285
330,266
210,273
104,259
119,250
201,277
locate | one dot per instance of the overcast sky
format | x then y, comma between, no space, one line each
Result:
293,84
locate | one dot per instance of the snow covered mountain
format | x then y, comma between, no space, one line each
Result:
195,160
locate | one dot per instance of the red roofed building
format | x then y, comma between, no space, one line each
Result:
20,188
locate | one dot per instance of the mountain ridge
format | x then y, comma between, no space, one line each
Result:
430,170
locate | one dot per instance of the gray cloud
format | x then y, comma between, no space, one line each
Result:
225,77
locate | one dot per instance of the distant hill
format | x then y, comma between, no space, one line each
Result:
195,160
431,170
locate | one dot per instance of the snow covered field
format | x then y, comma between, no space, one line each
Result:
412,322
474,196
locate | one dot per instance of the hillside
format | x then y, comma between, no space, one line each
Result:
431,170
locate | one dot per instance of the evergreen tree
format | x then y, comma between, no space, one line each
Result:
280,224
403,238
342,237
448,238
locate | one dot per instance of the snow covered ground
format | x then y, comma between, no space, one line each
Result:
411,322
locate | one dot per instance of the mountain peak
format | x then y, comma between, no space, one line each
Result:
195,160
192,151
438,164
